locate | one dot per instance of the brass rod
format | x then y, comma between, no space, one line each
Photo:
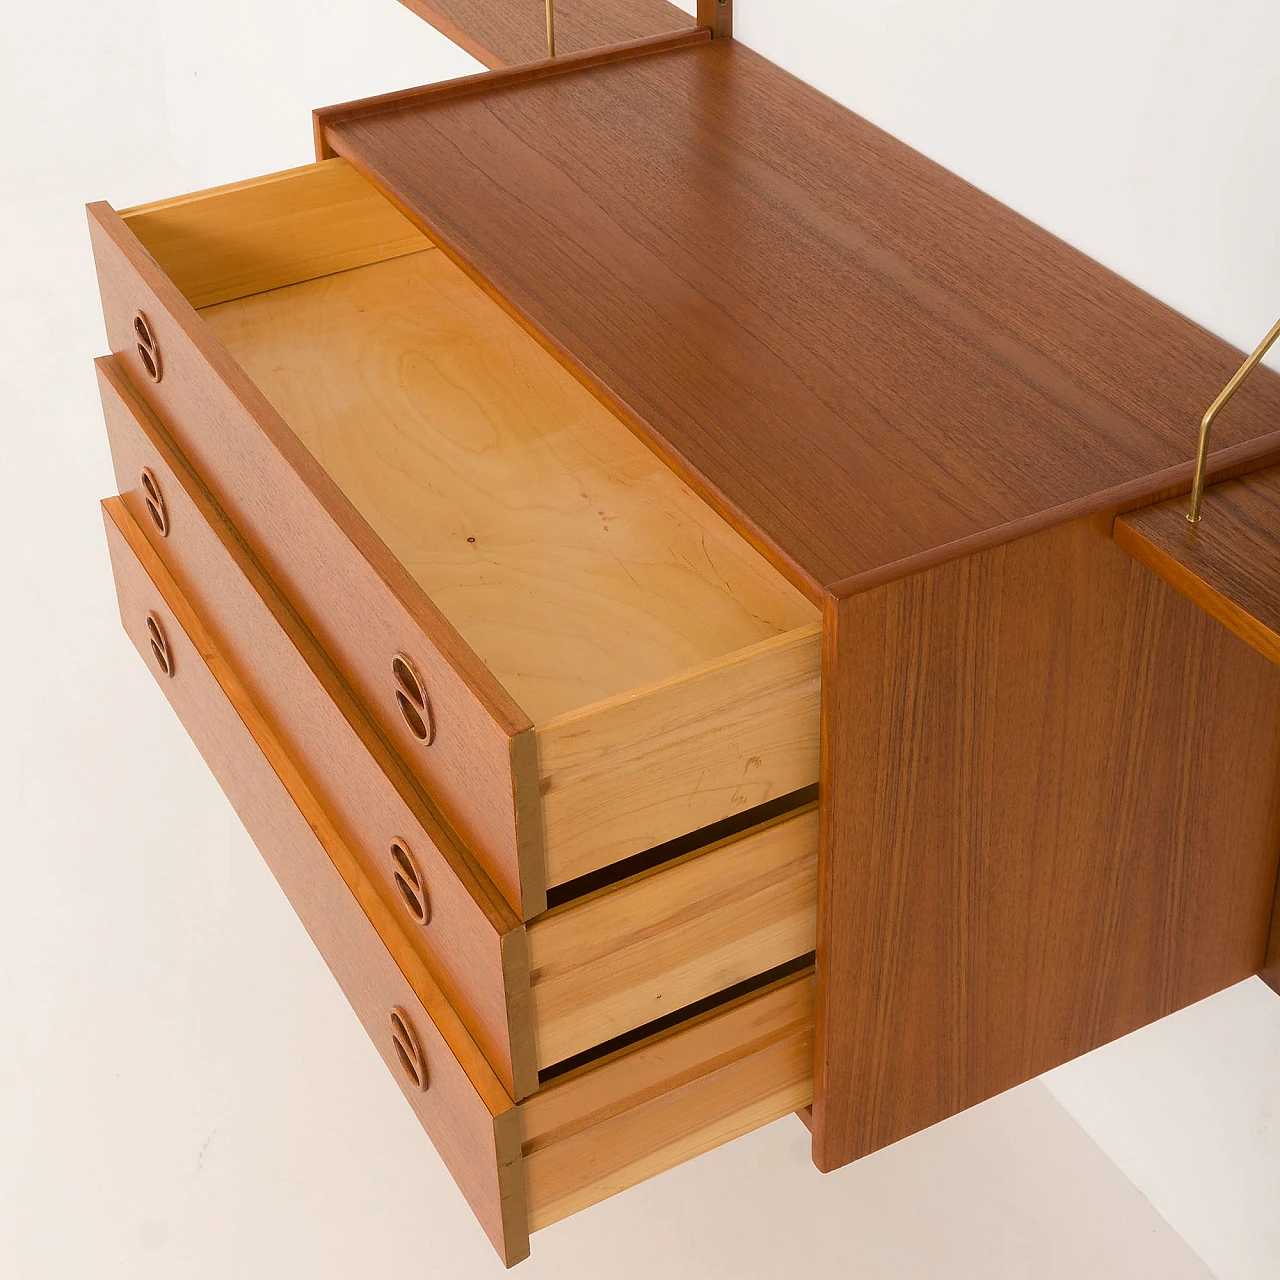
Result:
1206,423
551,28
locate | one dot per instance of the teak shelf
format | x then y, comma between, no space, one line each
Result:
584,690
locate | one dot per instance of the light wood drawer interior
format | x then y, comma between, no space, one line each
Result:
600,964
671,673
588,1133
635,952
650,1107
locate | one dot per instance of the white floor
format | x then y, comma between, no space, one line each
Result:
183,1090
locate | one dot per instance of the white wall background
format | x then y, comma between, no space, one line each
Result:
1145,132
183,1091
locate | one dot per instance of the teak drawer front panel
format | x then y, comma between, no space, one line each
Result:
472,938
464,1109
607,664
351,592
581,1138
605,963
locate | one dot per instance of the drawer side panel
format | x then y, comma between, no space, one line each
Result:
661,941
648,1109
625,775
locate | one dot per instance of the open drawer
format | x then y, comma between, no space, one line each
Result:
608,958
596,1128
575,655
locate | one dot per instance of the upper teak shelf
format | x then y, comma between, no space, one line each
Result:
866,364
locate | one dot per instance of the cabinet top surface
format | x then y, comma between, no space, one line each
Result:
858,357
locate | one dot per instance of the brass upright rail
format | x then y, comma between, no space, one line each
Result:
1206,423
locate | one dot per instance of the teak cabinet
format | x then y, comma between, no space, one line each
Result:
635,544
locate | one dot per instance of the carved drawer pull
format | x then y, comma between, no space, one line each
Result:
411,696
412,1060
148,347
160,644
410,881
155,502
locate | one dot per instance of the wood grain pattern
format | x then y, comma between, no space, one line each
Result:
562,551
687,231
1053,815
440,90
230,241
474,941
607,964
671,673
317,548
1229,566
501,32
616,1123
664,759
465,1111
628,955
1229,563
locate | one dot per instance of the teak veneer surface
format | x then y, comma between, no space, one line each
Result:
569,558
1054,802
469,1116
858,357
473,940
502,32
1229,563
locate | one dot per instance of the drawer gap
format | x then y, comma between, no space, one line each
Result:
597,1053
670,850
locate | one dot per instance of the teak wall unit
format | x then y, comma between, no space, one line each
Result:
639,547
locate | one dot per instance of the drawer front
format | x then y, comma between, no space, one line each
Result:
463,1107
603,965
480,762
463,927
585,1136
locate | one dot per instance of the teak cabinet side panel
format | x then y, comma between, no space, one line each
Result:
1053,807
